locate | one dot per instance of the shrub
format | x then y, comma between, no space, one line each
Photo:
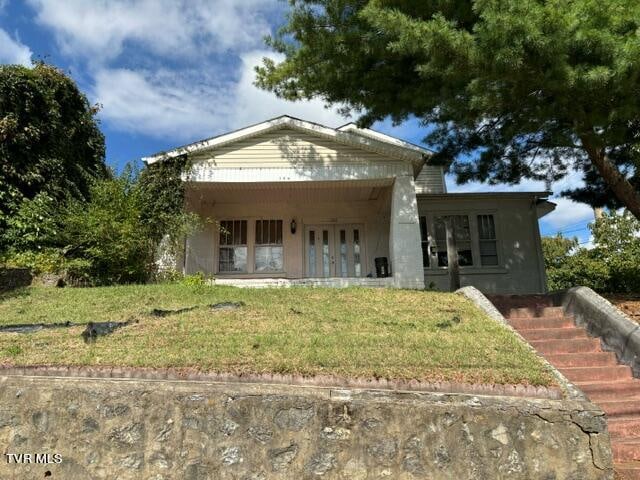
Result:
34,224
44,261
107,232
195,280
49,260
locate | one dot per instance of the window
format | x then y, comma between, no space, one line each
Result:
487,240
462,233
233,246
424,242
268,252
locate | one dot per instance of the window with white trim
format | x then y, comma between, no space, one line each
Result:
232,252
476,240
268,248
487,240
462,233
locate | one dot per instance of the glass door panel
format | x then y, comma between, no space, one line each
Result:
334,251
319,251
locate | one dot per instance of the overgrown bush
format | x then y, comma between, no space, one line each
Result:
49,260
114,237
612,265
107,232
34,225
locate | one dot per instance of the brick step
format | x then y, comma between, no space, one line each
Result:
621,407
627,471
535,312
608,390
591,359
526,323
624,427
578,345
609,373
553,333
625,450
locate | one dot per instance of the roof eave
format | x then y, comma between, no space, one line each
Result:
412,153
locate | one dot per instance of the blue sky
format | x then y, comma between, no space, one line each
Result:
168,72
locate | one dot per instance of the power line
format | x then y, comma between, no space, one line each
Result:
574,230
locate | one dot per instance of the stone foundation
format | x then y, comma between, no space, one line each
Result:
143,429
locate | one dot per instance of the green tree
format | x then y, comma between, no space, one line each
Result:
617,244
528,88
50,143
612,265
568,265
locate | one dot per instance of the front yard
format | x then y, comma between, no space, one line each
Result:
355,332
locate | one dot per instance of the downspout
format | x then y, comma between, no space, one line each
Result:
542,272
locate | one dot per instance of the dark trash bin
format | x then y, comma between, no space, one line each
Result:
382,267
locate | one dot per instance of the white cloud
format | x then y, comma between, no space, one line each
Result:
12,51
100,29
253,105
160,104
568,213
189,105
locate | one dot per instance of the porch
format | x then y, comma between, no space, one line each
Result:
319,233
335,282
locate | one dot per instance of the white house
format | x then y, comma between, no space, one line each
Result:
293,202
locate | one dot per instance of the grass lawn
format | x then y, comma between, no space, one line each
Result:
354,332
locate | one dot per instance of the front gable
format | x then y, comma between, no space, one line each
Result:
287,147
290,149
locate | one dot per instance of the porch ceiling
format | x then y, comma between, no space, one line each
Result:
330,191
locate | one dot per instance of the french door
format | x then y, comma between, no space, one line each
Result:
334,250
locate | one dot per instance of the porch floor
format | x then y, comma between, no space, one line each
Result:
337,282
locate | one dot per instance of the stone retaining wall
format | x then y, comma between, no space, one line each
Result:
11,278
617,332
137,429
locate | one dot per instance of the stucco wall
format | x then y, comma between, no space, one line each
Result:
522,266
133,429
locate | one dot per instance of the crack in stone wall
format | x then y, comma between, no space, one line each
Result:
132,429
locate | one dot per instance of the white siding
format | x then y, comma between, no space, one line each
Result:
430,180
287,147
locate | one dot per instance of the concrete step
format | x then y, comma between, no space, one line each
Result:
578,345
528,323
553,333
624,427
625,450
591,359
535,312
621,408
627,471
603,391
585,374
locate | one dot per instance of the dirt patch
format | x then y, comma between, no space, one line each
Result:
628,303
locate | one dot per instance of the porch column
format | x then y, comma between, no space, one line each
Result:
404,236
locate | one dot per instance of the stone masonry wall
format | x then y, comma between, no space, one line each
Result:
157,430
11,278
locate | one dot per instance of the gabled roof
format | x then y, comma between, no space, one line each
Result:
349,134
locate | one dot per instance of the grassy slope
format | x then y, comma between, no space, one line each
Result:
346,332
